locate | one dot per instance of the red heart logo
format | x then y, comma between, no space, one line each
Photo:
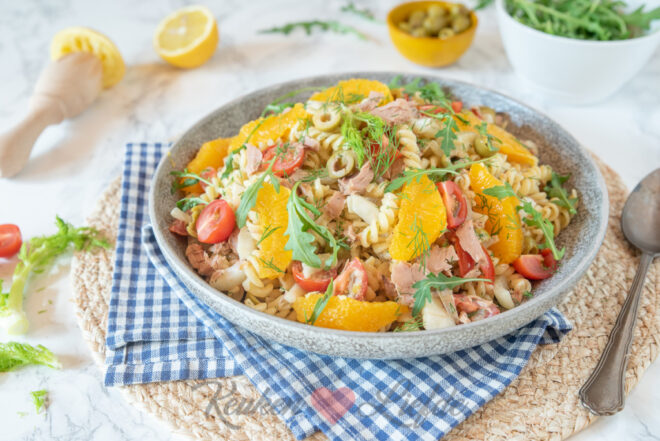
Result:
333,404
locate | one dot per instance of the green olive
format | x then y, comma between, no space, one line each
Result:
326,119
446,33
341,163
433,24
437,11
405,26
460,23
482,148
456,9
416,18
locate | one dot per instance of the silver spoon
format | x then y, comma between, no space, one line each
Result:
603,392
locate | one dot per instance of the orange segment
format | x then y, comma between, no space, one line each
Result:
270,129
353,91
422,218
509,145
211,154
503,220
271,209
348,314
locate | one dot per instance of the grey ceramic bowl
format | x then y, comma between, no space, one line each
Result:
557,147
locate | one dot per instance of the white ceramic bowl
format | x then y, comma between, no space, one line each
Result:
570,70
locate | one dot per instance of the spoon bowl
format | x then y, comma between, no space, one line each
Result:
640,220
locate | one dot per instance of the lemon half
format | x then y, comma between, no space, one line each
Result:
78,39
188,37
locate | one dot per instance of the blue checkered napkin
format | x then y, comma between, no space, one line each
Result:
159,331
151,334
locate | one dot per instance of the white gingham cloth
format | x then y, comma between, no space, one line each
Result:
159,331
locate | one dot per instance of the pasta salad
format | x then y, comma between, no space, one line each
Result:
373,207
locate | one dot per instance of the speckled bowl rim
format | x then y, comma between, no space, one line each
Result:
498,321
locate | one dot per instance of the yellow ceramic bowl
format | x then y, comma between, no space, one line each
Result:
428,51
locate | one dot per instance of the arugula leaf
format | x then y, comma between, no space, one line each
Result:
39,398
501,191
435,282
308,26
249,196
14,355
409,175
37,255
189,202
321,304
548,229
447,134
364,13
300,241
556,190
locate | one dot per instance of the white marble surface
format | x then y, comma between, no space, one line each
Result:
74,161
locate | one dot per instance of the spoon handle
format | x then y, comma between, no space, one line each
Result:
603,393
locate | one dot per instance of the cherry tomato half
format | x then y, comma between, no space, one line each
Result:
536,266
352,281
291,157
216,222
457,106
208,173
455,202
10,240
318,281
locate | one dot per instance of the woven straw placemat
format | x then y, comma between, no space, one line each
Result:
542,404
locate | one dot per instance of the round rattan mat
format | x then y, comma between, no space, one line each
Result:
542,404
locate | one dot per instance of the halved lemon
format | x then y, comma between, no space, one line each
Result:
188,37
77,39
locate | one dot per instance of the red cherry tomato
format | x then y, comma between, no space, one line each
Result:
208,173
291,157
536,266
216,222
10,240
318,281
455,202
457,106
352,281
475,110
466,262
